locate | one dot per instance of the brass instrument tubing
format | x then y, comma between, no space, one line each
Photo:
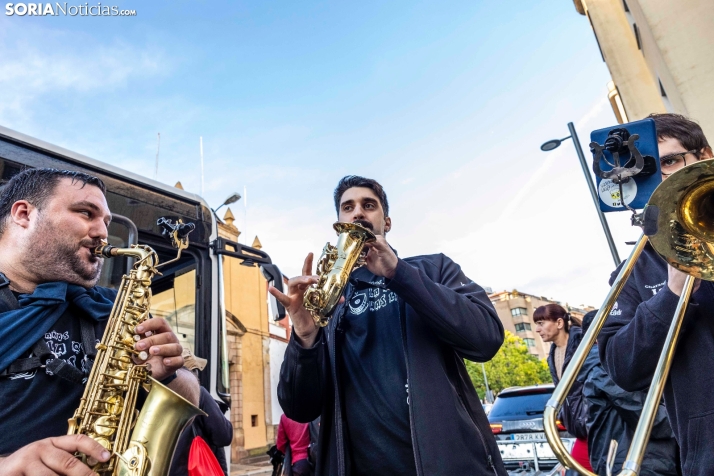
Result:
570,374
654,395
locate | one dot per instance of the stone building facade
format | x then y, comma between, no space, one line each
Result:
660,54
253,356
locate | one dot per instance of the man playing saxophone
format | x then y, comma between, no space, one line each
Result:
51,313
634,334
386,374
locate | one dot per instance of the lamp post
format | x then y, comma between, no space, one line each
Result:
231,199
554,144
489,395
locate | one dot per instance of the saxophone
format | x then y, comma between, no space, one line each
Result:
141,444
334,268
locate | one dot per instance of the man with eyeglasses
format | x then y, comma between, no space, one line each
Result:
634,333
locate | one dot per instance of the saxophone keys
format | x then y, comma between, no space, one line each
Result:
105,426
143,355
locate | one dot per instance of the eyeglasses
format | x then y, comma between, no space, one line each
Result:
669,164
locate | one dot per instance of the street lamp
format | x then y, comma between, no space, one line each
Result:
554,144
231,199
489,394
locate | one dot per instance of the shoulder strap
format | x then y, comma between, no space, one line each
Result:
69,372
8,301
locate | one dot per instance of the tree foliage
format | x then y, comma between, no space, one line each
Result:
512,366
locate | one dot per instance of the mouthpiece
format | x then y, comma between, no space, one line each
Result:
106,251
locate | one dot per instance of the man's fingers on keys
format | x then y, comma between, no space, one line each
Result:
58,455
157,325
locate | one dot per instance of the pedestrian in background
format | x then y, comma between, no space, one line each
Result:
297,437
553,325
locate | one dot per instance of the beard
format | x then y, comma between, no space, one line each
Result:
53,256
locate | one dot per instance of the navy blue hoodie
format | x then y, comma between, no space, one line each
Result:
631,342
445,317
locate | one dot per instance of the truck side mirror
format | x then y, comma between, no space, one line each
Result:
275,278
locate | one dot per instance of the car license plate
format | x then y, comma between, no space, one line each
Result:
528,436
525,451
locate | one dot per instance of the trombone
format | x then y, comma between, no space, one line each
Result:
683,206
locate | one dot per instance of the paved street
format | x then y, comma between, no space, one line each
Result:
257,469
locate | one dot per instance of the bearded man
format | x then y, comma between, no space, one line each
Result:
52,314
387,375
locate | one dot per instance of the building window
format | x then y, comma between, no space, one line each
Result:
661,89
523,326
529,342
624,4
519,311
637,36
254,418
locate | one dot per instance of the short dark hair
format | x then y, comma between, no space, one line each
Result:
552,312
37,186
588,319
677,126
350,181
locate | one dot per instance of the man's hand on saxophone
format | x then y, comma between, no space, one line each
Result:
53,456
304,325
165,359
381,258
162,347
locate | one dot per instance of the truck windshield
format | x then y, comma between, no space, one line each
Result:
174,299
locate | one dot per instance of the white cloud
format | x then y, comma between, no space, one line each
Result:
45,64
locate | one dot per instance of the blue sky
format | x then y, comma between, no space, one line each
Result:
445,103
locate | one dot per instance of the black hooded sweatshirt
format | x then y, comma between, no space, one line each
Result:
631,342
445,317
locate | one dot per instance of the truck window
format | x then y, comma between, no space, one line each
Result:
174,299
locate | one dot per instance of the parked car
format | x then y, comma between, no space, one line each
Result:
517,423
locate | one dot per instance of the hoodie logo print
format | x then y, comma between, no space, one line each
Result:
359,303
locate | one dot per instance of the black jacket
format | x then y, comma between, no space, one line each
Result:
632,340
215,429
613,414
574,411
445,317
